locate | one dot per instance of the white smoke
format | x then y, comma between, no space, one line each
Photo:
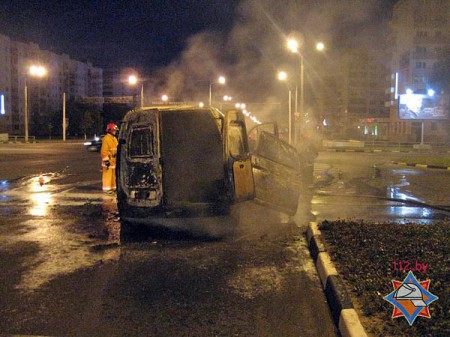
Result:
251,53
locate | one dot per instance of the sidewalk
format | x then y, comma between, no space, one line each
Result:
40,141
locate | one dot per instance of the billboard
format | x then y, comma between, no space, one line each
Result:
419,106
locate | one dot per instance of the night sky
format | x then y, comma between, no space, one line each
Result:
152,33
132,32
180,46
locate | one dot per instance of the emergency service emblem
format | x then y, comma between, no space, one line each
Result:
411,298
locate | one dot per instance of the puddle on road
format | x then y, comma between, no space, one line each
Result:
61,250
69,236
407,214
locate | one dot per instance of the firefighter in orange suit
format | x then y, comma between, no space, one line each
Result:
108,153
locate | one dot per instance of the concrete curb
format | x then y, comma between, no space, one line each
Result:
367,150
344,315
422,165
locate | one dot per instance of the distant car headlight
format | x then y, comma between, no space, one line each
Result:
88,143
96,138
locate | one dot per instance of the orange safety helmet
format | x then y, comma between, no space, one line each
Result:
111,127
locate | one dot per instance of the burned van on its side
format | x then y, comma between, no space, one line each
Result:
183,167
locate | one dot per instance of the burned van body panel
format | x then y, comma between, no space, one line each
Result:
178,165
172,164
192,158
276,171
139,170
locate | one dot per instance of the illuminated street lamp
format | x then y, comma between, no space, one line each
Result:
293,46
220,80
164,98
320,46
133,80
34,71
282,76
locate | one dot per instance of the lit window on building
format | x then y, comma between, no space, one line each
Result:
2,104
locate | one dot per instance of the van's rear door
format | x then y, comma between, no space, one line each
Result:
140,174
276,171
192,155
237,155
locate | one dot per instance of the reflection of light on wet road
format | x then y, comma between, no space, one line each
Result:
404,211
63,246
60,252
40,197
40,203
394,193
327,207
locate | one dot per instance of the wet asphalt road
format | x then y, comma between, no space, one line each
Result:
67,272
368,186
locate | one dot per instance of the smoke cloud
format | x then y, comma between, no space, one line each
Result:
254,49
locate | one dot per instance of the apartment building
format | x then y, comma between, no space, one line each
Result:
45,95
355,95
115,83
419,39
5,80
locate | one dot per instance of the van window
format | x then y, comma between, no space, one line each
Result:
236,140
272,148
141,143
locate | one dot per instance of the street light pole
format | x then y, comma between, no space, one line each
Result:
38,71
290,118
133,80
302,97
220,80
296,98
282,76
64,117
210,94
26,111
293,45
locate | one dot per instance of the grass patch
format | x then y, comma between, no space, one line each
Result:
364,254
